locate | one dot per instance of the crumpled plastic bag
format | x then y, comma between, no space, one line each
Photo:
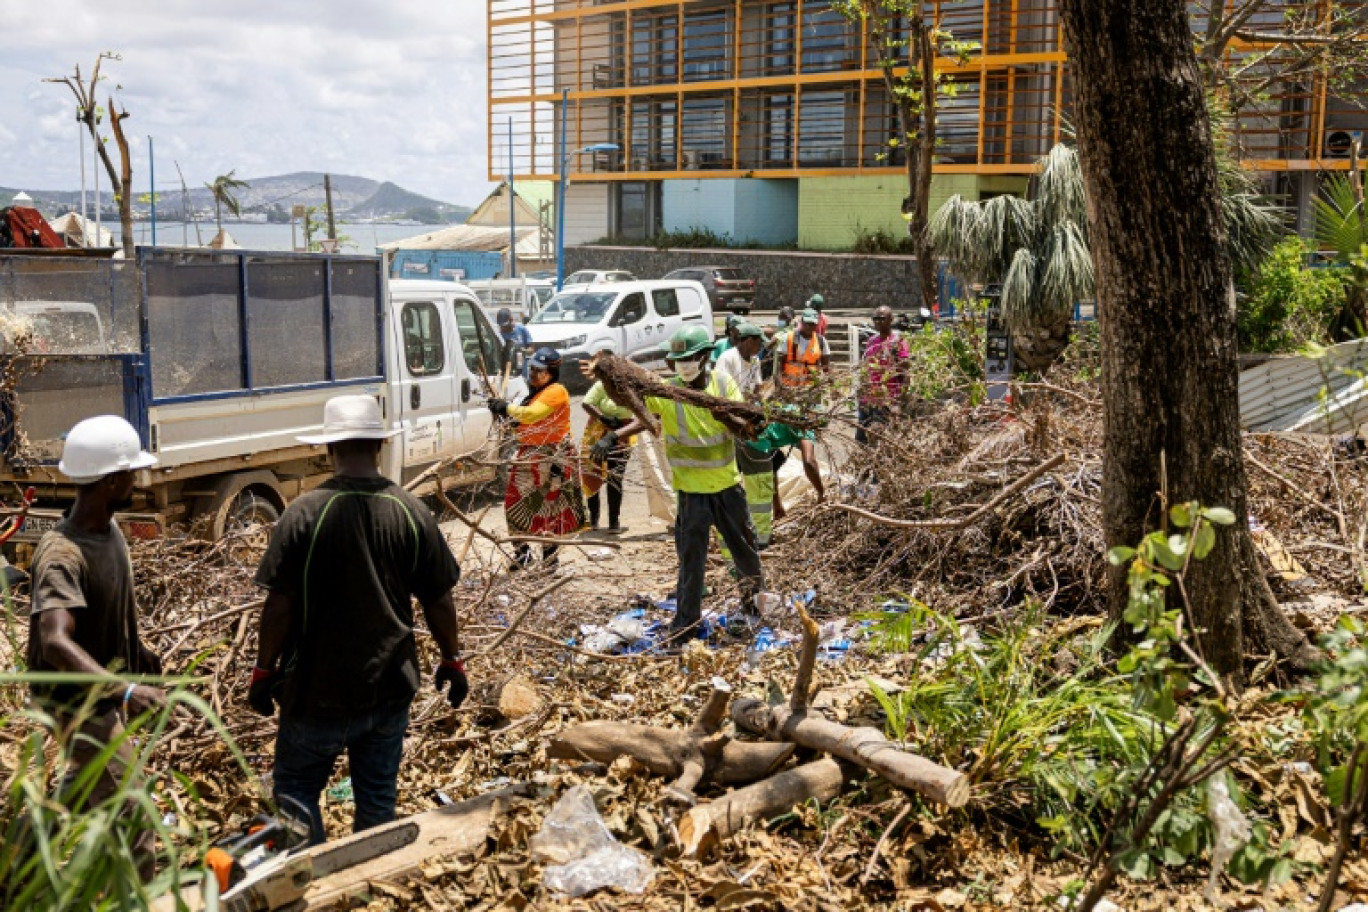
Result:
582,852
1231,829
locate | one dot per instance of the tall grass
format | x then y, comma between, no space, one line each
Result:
55,859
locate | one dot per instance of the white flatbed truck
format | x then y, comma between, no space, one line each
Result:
221,359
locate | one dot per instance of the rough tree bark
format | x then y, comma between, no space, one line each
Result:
918,123
1166,309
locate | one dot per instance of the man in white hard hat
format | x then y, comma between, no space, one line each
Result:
336,648
84,617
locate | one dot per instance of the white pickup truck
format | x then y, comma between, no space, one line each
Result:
222,359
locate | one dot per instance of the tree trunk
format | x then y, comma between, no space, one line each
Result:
707,824
124,186
1166,309
919,138
1039,345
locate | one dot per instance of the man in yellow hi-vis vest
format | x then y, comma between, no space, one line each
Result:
702,456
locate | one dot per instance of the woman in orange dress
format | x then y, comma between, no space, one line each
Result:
543,495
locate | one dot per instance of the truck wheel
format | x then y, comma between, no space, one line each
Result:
247,525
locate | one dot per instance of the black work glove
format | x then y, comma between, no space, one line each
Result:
498,408
453,672
149,662
600,450
611,424
261,693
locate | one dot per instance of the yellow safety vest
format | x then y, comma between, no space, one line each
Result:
700,450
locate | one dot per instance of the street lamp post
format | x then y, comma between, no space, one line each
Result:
565,182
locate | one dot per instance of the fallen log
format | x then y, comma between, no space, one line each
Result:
866,747
698,754
704,825
666,752
629,385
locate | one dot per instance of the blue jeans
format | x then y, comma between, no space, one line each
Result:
307,750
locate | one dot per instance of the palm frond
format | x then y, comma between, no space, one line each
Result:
1340,219
1252,228
1067,273
1019,304
1059,188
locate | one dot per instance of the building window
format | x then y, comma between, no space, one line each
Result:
821,140
706,126
826,38
653,135
655,49
706,43
636,210
779,130
779,38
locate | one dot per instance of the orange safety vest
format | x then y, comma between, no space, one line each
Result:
554,427
799,372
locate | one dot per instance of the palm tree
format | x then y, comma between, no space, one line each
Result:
1037,248
223,189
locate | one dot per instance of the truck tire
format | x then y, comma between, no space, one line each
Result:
249,507
242,497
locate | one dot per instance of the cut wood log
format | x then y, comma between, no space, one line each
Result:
700,753
518,697
704,825
665,751
866,747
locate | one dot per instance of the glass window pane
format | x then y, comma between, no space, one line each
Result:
356,338
422,329
192,315
666,302
285,323
476,361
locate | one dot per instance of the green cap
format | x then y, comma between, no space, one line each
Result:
811,316
748,331
816,300
688,341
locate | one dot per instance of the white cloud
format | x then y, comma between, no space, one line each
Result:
391,91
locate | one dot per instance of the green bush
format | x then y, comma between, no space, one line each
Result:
1286,304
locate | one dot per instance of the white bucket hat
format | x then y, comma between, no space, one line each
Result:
350,418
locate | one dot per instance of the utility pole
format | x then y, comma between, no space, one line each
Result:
327,195
152,187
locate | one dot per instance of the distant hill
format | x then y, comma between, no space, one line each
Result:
353,197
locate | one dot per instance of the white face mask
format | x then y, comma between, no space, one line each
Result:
688,371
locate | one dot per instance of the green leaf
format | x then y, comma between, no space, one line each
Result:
1181,516
1220,516
1120,555
1204,539
1163,552
1334,784
1136,863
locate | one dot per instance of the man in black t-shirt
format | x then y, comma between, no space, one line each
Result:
336,647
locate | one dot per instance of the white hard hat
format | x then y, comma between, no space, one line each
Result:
101,446
351,418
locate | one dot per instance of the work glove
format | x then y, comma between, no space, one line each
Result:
600,450
261,693
452,671
148,661
498,408
611,424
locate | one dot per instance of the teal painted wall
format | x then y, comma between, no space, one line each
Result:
745,210
832,211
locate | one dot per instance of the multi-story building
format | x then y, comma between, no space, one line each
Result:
768,120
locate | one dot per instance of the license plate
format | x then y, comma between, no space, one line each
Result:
36,525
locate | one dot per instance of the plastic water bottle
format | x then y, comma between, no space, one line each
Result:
763,643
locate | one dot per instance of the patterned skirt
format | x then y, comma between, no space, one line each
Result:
544,496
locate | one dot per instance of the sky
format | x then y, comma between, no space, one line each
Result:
391,91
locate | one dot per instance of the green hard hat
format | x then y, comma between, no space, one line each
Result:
816,300
748,331
688,341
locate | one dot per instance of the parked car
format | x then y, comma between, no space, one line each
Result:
523,296
632,319
726,287
591,277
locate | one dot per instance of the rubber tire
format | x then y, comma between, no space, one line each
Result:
249,507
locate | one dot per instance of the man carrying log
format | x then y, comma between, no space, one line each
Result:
336,648
84,617
702,457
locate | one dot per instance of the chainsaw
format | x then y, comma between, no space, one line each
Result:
264,868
